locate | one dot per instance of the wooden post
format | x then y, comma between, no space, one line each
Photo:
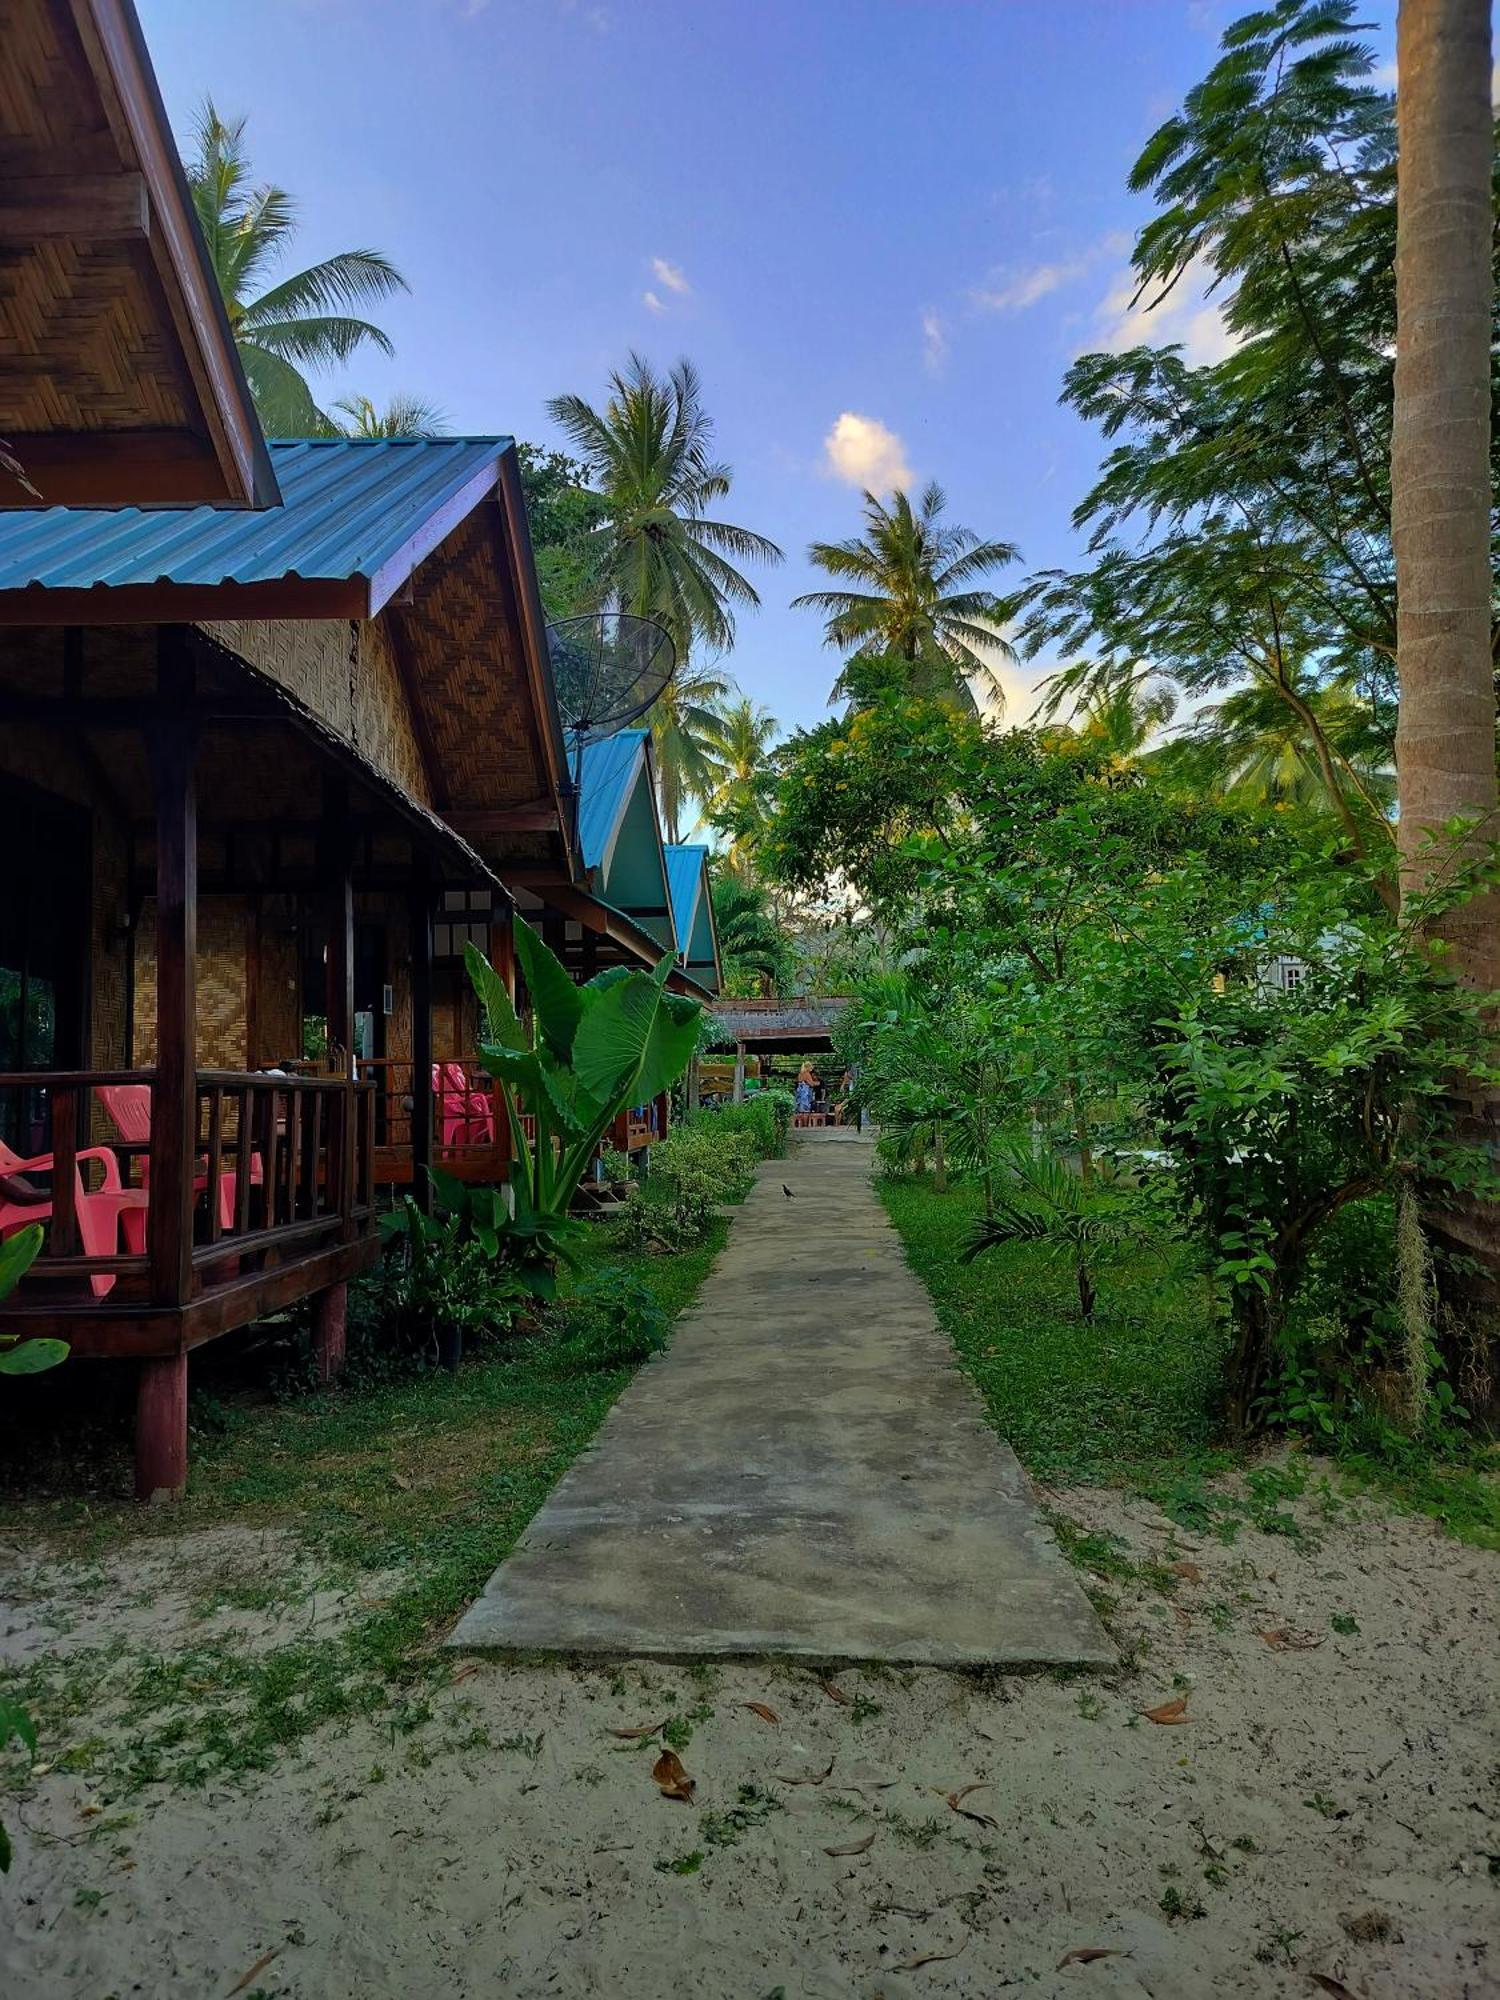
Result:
739,1073
336,867
161,1426
330,1320
421,1036
663,1113
174,1099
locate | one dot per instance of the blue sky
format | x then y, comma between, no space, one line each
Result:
881,230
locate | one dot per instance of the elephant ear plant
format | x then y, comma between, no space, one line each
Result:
587,1054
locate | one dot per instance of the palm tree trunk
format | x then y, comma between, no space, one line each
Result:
1440,506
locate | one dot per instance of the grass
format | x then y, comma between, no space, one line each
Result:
429,1479
1079,1400
1131,1396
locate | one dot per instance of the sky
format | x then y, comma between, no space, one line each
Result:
881,229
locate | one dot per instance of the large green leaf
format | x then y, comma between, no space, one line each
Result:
632,1038
495,999
17,1255
559,1008
32,1356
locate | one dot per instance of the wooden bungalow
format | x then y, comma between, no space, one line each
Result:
119,381
260,771
693,915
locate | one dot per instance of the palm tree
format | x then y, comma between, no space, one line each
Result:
919,598
1122,720
1440,509
757,954
684,723
743,735
402,417
650,451
301,322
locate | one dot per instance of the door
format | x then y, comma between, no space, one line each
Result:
44,933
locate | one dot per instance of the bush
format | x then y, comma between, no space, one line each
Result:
612,1320
692,1170
766,1117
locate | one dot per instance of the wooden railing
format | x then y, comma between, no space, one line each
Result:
282,1166
470,1139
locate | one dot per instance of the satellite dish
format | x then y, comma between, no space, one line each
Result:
608,669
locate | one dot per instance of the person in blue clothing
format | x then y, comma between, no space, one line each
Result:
806,1088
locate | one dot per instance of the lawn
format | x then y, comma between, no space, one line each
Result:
1131,1397
1079,1400
400,1498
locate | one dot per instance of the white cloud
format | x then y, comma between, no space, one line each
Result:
862,452
653,303
670,275
1187,316
1014,289
934,341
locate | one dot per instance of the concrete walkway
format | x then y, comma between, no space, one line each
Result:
804,1472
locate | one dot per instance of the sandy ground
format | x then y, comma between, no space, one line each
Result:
1326,1808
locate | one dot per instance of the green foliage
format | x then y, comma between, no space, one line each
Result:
442,1280
587,1054
765,1117
1042,1201
19,1356
298,322
756,951
611,1319
566,519
658,552
909,591
694,1169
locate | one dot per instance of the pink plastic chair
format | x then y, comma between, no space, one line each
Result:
98,1215
465,1116
129,1105
481,1109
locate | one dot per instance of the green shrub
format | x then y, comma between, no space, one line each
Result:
766,1118
692,1170
612,1320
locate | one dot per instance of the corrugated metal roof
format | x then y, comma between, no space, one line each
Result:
606,779
685,872
348,506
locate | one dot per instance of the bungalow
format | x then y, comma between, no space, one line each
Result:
263,766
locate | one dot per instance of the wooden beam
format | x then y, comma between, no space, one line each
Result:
535,816
91,208
432,530
173,747
420,912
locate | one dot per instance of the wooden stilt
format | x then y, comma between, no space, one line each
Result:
330,1320
161,1428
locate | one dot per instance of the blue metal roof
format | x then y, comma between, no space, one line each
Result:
607,779
349,506
685,870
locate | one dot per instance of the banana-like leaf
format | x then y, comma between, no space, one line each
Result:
17,1254
556,1000
498,1006
631,1043
32,1356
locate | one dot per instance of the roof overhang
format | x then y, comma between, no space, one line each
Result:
97,230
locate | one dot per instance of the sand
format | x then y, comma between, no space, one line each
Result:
1327,1808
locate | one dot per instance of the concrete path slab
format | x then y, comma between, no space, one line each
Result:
804,1472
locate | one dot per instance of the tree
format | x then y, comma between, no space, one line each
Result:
566,518
743,733
1441,504
660,554
402,417
684,723
301,322
756,952
918,595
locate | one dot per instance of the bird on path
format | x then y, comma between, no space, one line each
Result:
787,1191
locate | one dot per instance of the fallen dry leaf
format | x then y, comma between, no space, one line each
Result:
259,1966
401,1483
956,1804
671,1779
1336,1987
836,1694
854,1847
759,1708
462,1673
1168,1711
1287,1639
1189,1572
929,1958
639,1735
815,1778
1085,1954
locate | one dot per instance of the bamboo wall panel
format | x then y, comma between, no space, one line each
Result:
221,1018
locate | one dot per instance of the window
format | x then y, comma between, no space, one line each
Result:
463,919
